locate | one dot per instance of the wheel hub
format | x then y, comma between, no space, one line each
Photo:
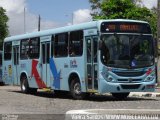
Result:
23,86
77,88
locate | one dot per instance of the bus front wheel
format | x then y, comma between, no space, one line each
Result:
120,96
75,89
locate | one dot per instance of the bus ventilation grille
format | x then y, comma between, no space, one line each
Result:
127,80
129,74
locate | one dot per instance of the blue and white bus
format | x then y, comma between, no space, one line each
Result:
105,56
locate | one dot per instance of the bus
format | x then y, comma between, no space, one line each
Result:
105,56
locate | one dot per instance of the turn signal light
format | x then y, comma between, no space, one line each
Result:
149,71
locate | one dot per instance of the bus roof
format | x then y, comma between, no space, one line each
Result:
82,26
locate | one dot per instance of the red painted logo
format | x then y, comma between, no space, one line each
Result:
35,73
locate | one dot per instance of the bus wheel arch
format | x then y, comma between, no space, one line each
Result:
75,86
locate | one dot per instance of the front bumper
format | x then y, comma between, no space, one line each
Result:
111,87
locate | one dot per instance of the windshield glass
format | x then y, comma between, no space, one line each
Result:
127,51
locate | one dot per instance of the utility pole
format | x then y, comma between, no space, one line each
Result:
39,23
158,42
24,20
72,18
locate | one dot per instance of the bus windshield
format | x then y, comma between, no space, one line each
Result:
127,51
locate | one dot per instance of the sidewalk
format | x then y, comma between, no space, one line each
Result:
146,94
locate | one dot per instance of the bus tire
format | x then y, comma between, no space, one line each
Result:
75,89
120,96
24,85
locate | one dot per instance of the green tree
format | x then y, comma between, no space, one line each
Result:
123,9
3,26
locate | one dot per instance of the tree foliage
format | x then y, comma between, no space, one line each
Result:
123,9
3,26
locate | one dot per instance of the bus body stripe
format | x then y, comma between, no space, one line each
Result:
36,75
55,74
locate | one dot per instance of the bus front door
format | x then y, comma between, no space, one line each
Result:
91,62
15,65
45,71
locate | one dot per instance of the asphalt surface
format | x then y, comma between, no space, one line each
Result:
45,105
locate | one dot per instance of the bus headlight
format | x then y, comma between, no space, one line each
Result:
104,74
107,77
110,79
149,78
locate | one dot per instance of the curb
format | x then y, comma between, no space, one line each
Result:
143,94
113,111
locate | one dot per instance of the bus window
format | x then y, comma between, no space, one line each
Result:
76,43
24,49
61,45
0,59
0,66
30,48
34,48
52,45
7,50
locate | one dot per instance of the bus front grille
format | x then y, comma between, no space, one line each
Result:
130,86
129,74
127,80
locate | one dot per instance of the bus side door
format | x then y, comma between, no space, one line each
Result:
45,55
91,62
15,65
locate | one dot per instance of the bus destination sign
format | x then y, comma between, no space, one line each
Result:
127,27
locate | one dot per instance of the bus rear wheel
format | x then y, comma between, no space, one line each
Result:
120,96
24,84
75,89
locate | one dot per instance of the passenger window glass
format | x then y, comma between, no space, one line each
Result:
52,46
24,49
0,59
34,48
76,43
61,45
30,48
7,50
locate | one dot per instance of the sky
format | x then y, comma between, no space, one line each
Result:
54,13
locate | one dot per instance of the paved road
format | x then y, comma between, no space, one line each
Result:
12,101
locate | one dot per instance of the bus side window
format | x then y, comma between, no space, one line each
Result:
7,50
24,49
61,45
0,58
76,43
52,45
34,48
